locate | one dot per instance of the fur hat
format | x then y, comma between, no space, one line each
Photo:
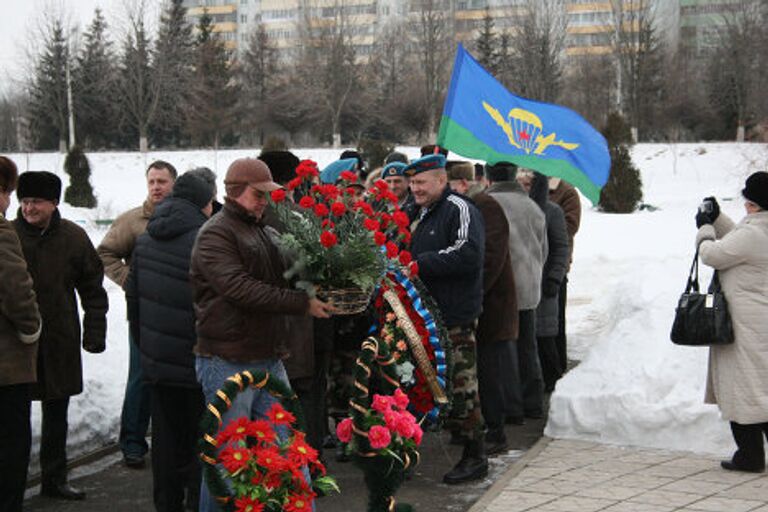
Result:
501,171
194,189
39,184
756,189
396,156
460,170
282,165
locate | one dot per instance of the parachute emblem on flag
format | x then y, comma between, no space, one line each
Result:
525,131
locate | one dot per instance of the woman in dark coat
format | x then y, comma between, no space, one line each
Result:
162,322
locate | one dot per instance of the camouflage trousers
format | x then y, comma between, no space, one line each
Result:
465,417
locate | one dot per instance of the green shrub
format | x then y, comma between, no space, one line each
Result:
624,190
374,152
79,192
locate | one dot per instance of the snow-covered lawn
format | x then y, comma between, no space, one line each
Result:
633,387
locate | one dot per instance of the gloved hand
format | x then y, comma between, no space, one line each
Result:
703,218
94,346
714,208
550,288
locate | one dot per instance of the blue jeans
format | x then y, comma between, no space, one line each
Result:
253,403
134,420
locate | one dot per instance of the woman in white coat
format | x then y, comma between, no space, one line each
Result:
737,380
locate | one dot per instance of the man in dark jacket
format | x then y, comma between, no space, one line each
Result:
19,330
61,260
547,314
448,243
241,297
497,367
162,321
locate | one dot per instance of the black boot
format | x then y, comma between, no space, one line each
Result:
472,466
495,441
62,491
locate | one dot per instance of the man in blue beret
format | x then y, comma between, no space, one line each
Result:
448,243
393,173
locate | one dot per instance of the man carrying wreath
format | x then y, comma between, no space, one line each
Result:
448,244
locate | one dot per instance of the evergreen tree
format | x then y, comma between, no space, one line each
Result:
138,88
95,78
174,54
487,45
48,92
624,189
257,76
79,192
214,93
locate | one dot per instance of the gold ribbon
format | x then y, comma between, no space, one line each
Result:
210,440
391,504
361,388
262,383
237,379
224,397
208,460
414,342
216,413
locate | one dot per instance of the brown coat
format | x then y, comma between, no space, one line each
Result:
241,298
567,197
499,319
116,247
19,316
62,260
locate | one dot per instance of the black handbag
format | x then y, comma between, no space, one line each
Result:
702,319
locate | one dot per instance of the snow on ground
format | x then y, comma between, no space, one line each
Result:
633,386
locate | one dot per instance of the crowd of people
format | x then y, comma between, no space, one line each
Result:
207,297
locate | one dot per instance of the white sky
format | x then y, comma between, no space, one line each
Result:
22,17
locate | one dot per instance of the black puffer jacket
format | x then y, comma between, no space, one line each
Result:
449,246
159,294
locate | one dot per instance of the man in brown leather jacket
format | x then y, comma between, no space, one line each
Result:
241,298
20,328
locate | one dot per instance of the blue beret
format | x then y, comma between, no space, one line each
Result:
332,172
393,169
425,163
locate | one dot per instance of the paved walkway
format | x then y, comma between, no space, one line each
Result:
576,476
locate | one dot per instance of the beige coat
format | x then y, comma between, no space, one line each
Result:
19,316
116,247
738,373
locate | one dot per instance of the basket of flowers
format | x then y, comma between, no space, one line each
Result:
340,242
262,465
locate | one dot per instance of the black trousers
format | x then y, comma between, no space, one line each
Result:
550,361
561,343
176,470
499,382
312,392
530,367
16,440
53,442
749,441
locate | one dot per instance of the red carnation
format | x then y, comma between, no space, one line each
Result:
338,209
413,268
307,202
350,191
321,210
381,185
392,250
278,196
331,191
405,258
307,168
379,237
371,224
348,176
327,224
294,183
365,207
400,219
328,239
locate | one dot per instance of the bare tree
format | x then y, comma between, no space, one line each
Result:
537,47
738,64
432,46
257,75
589,93
639,58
